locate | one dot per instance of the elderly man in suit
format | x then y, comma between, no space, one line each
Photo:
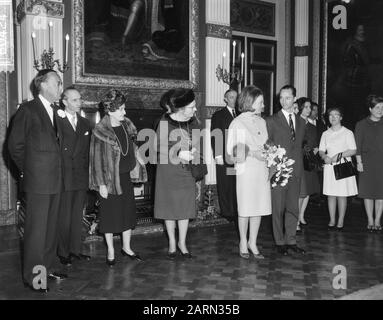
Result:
34,145
75,143
226,180
287,130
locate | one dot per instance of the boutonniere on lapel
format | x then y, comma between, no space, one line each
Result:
86,133
61,113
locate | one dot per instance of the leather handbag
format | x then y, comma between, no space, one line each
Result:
343,170
198,171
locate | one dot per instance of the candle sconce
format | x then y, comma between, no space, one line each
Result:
234,77
47,62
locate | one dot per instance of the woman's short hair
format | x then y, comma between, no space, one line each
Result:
338,109
113,100
372,100
247,97
301,103
181,98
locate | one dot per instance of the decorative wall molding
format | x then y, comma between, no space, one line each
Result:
218,31
253,17
301,51
52,9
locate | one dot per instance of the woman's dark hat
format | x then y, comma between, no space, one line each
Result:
181,98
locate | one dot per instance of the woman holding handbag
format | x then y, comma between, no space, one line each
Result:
175,190
337,143
309,181
369,137
113,162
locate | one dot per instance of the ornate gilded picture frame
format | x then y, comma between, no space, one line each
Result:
121,54
352,66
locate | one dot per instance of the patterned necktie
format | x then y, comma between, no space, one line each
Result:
73,121
292,130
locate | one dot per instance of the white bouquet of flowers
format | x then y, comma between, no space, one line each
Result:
280,167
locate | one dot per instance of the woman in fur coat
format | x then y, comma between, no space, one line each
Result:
112,164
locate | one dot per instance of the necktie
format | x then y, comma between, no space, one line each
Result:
73,121
54,118
234,115
292,130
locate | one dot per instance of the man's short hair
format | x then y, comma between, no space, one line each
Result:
228,91
64,94
41,77
289,87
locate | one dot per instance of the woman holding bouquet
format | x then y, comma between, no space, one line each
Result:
337,141
247,135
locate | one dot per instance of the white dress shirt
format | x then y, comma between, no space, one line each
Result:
231,111
286,114
47,106
72,119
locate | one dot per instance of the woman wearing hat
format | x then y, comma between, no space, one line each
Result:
175,185
112,158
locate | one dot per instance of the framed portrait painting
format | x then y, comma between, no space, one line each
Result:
136,43
352,51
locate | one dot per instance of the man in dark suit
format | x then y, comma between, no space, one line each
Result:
75,141
226,181
288,131
34,145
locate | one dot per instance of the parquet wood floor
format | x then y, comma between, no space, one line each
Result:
217,271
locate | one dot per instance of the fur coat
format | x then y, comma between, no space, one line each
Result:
104,158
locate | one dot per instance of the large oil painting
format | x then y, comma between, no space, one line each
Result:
137,43
353,52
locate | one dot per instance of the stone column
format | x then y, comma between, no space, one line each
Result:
301,58
217,42
35,16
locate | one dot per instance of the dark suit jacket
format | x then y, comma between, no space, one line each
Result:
279,132
75,153
221,119
34,147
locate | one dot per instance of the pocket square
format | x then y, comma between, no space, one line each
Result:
86,133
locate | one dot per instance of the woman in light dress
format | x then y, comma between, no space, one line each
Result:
247,135
337,140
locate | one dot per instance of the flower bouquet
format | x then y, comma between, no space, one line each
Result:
280,167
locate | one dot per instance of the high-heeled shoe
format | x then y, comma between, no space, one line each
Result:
134,256
110,263
186,255
244,255
171,255
339,228
370,228
258,255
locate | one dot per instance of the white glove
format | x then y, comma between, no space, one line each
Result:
104,191
186,155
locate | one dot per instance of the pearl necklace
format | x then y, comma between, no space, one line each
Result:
119,143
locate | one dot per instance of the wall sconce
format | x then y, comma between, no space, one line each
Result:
47,57
233,76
